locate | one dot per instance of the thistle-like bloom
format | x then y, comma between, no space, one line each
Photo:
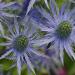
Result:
20,41
60,28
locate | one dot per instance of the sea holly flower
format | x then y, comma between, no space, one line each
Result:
20,42
60,28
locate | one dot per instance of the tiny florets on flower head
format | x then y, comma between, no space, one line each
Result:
20,43
64,30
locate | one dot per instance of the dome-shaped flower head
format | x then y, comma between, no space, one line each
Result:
60,27
19,41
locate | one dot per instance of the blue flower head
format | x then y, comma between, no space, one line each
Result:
60,26
20,42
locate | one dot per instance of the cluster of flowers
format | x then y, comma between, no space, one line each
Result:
24,41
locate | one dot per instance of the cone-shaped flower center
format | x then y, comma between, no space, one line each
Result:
64,30
20,43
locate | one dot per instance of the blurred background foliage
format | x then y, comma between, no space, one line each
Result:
7,67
